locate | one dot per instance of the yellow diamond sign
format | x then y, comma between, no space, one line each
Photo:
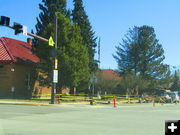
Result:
51,41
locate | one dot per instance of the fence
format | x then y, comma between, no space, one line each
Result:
105,98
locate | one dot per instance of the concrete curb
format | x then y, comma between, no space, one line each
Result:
36,104
30,104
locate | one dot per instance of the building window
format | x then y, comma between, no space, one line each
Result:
28,80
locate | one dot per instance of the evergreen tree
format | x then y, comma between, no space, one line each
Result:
176,84
45,28
89,40
127,53
166,81
73,56
48,9
140,53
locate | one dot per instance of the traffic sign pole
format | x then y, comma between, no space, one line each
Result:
93,80
54,63
93,90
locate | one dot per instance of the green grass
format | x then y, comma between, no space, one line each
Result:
27,100
44,98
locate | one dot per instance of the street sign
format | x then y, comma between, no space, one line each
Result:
25,30
93,79
56,63
51,41
55,76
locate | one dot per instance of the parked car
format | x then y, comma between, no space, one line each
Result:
146,98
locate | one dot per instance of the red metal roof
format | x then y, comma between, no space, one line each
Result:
4,56
110,74
12,50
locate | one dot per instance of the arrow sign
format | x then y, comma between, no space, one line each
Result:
51,41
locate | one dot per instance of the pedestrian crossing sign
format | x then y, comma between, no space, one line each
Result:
51,41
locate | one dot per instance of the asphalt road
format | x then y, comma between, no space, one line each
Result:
86,119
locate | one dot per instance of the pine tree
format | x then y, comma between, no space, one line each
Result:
140,53
73,56
89,40
176,84
45,28
48,9
151,54
127,53
166,81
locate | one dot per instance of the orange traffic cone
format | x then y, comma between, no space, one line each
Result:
114,99
59,98
153,101
161,101
91,103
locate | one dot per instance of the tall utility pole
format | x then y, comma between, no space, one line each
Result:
99,52
55,61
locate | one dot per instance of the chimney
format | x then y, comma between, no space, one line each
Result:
29,41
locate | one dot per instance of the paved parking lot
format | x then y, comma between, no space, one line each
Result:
134,119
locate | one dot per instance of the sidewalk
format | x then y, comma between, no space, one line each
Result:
38,104
26,103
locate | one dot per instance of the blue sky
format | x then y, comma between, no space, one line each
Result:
110,19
